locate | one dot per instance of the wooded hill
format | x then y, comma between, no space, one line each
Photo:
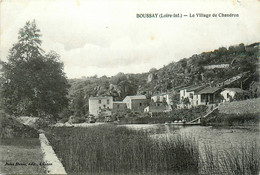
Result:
226,63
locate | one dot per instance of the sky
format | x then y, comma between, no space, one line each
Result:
105,37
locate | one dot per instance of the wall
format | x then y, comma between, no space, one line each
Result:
158,108
193,100
225,92
135,104
49,157
250,106
127,100
119,107
216,66
161,97
94,105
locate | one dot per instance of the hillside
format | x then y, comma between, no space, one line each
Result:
250,106
208,68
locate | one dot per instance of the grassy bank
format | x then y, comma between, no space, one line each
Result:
20,147
111,149
11,128
250,106
22,153
232,119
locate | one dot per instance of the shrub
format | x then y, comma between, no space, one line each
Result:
10,127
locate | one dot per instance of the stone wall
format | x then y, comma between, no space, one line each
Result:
54,166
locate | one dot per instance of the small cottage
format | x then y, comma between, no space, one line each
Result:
189,93
136,102
119,106
209,95
229,93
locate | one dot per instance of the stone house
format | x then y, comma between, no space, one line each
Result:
136,102
229,93
98,105
161,108
162,97
209,95
119,106
191,94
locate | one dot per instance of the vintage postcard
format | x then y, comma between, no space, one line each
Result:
130,87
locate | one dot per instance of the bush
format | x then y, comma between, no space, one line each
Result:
77,119
10,127
44,122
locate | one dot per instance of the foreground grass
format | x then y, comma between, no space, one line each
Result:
242,161
118,150
109,149
22,151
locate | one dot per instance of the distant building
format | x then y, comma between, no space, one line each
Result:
216,66
209,95
99,105
119,106
161,108
136,102
162,97
191,94
229,93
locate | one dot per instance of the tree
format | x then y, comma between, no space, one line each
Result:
239,96
126,83
79,104
152,70
34,82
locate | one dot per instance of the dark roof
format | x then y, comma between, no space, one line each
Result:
193,88
137,97
209,90
178,88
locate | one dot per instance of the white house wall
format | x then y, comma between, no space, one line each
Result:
95,106
225,92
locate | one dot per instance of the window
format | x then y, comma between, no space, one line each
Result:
99,101
191,96
99,107
107,101
104,106
117,105
228,95
140,104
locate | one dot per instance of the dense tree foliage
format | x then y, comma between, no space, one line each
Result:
34,82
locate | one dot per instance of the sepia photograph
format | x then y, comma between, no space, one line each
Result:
140,87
